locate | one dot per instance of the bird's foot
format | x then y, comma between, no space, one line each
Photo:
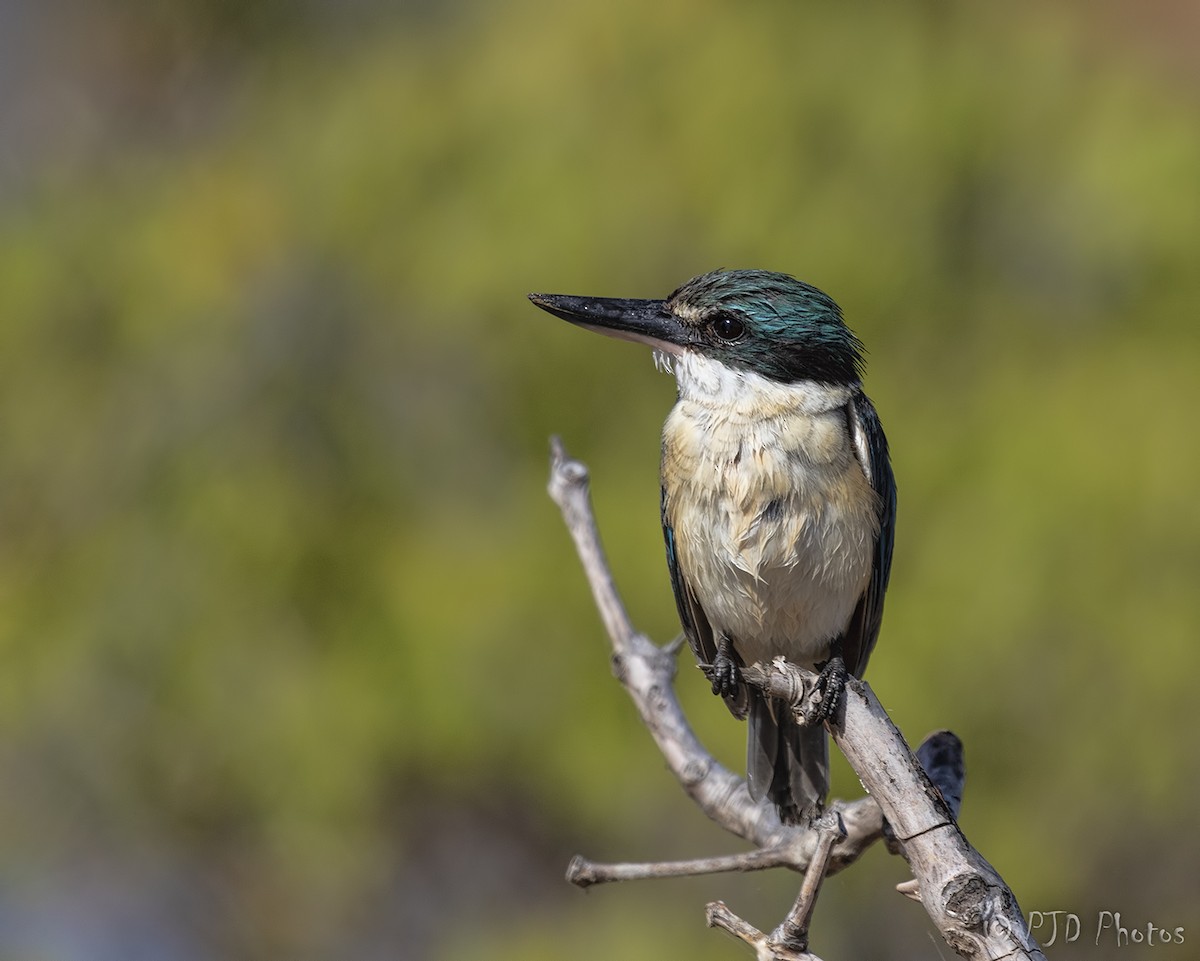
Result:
724,673
831,685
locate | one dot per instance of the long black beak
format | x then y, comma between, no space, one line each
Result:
644,321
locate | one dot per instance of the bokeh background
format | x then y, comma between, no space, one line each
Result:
296,658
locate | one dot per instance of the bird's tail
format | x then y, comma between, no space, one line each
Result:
786,762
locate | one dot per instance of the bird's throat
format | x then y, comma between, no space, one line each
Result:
737,392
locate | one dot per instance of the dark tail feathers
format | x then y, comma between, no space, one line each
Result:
786,762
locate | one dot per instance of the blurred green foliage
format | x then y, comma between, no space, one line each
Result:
286,614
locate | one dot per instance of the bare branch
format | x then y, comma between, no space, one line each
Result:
969,902
793,929
648,673
585,873
765,948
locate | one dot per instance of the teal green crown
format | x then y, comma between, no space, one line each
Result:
785,329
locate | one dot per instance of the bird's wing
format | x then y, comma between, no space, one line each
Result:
871,448
691,615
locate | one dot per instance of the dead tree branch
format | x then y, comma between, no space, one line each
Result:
964,896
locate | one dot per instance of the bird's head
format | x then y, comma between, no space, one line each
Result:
756,320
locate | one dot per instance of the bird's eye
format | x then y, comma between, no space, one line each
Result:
728,327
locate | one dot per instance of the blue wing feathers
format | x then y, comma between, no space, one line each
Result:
870,442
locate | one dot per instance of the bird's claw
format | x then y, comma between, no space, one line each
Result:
724,673
831,684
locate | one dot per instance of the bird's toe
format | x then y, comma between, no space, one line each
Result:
831,685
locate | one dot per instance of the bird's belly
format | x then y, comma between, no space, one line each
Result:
776,541
788,587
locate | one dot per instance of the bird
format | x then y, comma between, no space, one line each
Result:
778,499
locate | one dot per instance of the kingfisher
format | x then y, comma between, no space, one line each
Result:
778,499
